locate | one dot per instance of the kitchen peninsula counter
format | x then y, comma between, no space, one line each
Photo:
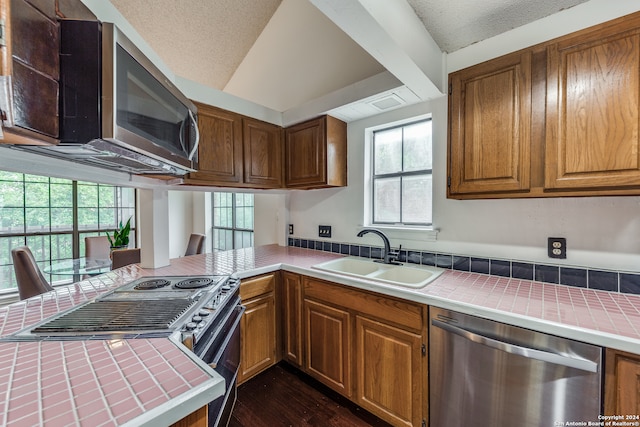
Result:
157,381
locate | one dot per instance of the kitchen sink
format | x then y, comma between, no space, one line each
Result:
399,275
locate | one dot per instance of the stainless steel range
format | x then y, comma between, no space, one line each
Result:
149,306
204,311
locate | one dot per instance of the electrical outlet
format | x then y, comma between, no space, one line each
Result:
324,231
290,228
557,247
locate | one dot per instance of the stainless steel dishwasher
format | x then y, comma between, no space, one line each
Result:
487,373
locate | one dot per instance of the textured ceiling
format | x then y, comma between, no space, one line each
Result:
455,24
202,40
286,54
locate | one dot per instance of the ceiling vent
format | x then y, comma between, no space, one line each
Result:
387,102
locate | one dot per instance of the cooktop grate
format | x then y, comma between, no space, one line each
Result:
115,316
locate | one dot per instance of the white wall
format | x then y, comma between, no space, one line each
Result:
181,221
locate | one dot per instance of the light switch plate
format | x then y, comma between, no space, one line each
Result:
324,231
290,228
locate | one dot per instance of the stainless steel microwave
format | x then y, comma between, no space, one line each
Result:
117,109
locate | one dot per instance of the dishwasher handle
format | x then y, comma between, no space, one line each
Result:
531,353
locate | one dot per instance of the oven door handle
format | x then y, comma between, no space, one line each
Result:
240,310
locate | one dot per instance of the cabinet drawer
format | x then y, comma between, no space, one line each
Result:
375,305
256,286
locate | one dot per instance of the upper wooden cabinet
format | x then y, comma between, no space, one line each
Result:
490,112
316,154
558,119
237,151
29,69
592,109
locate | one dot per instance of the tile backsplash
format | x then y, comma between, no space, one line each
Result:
606,280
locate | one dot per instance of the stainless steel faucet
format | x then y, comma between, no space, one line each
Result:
388,256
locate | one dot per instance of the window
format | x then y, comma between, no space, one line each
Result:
401,175
52,217
232,221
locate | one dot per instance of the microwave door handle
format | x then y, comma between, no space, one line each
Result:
195,146
180,136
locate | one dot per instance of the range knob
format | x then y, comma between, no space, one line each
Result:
203,313
225,288
196,319
190,326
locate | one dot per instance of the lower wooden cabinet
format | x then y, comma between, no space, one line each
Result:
328,346
258,326
622,383
292,318
199,418
368,347
389,371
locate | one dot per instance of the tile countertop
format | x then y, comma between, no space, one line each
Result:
138,382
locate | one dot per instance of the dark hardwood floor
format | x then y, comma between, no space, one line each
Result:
283,396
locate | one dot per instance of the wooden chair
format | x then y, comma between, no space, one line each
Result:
96,247
122,257
195,245
31,281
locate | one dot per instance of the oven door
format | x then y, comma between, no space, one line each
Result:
223,355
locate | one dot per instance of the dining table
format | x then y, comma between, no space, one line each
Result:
79,267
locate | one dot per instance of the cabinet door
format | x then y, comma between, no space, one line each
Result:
31,59
292,317
262,154
490,126
220,150
389,372
257,336
622,383
328,346
592,128
306,154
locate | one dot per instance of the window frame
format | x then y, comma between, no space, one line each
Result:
74,229
373,176
234,228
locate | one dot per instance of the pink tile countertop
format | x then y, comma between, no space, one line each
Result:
136,382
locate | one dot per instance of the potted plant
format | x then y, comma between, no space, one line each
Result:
120,237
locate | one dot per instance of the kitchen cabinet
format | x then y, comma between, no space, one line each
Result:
557,119
257,326
292,318
389,371
368,347
316,154
490,120
29,72
328,345
622,383
199,418
593,135
237,151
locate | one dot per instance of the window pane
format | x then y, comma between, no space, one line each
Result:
107,217
243,239
388,151
11,194
7,277
107,196
36,194
87,196
37,220
62,219
62,195
87,218
12,220
417,146
386,200
6,244
416,199
61,246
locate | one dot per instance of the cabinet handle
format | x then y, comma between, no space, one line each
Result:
531,353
